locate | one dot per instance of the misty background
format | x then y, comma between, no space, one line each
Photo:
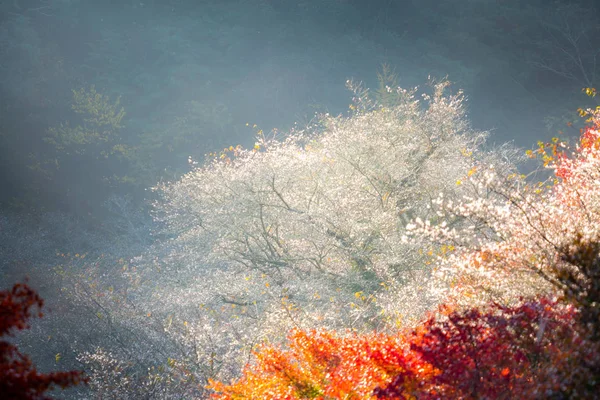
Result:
191,74
101,100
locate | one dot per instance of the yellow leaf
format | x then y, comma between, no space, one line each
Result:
466,153
458,182
386,195
57,357
590,92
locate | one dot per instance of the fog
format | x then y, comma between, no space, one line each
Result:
100,101
190,76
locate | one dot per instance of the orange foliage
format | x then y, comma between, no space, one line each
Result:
323,365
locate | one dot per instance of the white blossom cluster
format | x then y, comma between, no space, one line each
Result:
323,202
519,234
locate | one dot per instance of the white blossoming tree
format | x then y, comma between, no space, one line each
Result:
324,208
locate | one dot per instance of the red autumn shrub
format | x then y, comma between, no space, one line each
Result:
524,351
19,379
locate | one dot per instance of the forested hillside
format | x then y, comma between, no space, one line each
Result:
299,199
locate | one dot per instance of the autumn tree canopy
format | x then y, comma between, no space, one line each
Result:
523,239
305,230
274,239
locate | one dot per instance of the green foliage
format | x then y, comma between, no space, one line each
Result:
98,108
93,148
101,122
386,94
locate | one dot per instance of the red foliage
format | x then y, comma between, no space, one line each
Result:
19,379
501,353
588,142
533,350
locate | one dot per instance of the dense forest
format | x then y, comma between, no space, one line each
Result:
277,199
